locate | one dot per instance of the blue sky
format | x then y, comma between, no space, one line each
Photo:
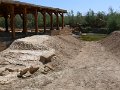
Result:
79,5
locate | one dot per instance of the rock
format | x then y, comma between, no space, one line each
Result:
44,72
4,73
1,74
49,66
23,72
11,70
46,59
32,69
8,69
4,63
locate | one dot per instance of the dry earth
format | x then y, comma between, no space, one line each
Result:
78,65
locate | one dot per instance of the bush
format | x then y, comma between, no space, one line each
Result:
100,30
112,26
86,30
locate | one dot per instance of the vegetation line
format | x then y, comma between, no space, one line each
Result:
91,22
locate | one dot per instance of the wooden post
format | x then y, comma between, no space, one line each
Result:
62,15
25,21
44,20
57,20
6,23
12,21
51,20
36,21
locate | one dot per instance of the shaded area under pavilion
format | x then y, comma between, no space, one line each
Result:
9,9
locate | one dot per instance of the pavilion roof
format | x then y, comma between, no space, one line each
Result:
18,5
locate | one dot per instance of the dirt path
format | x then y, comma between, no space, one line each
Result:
94,54
93,69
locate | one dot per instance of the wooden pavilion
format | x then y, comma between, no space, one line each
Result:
9,9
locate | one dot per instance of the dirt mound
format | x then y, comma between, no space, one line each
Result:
112,43
26,52
65,45
66,31
77,65
30,43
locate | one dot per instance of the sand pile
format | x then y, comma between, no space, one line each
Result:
78,65
65,45
26,52
30,43
112,43
66,31
22,54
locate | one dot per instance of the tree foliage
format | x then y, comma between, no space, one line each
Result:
99,22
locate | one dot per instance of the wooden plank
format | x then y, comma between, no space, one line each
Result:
6,22
12,21
57,20
44,20
51,20
25,21
31,6
36,21
62,15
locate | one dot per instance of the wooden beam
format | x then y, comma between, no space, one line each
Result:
57,20
44,20
25,21
62,15
6,23
36,21
51,20
12,21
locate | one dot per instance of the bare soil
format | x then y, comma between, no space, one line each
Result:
79,65
112,43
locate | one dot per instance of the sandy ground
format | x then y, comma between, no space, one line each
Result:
80,66
92,69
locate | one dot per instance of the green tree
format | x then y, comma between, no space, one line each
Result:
100,20
78,18
18,22
2,22
90,18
